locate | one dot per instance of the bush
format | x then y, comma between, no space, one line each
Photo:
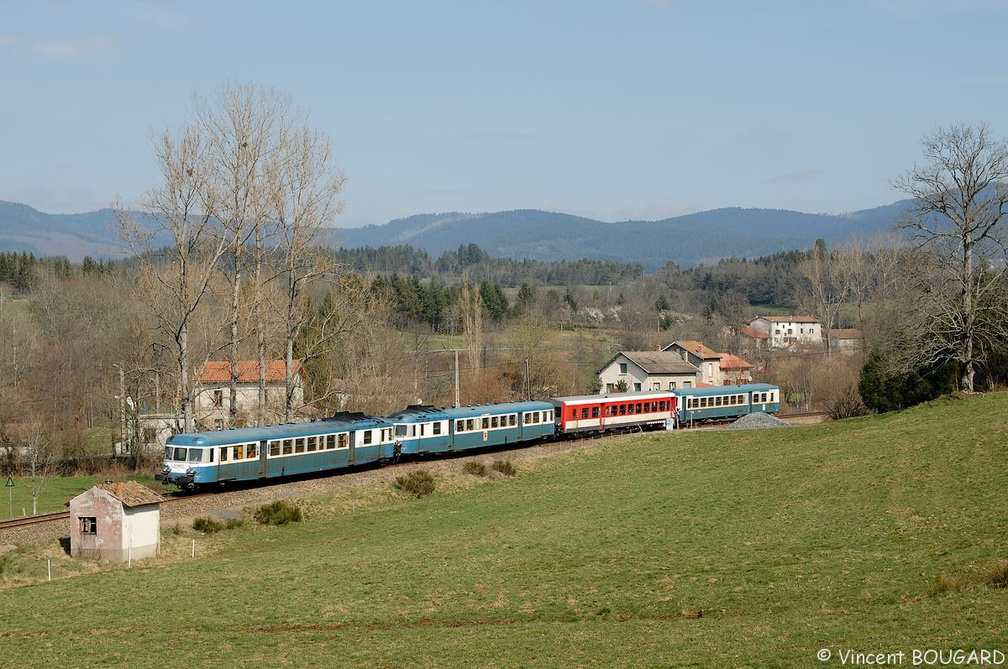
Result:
475,468
207,525
846,403
997,576
505,467
278,513
419,483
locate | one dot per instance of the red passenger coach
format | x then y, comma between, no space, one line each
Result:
620,411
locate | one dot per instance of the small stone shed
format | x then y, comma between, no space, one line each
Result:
115,522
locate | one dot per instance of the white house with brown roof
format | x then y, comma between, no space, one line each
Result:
115,522
788,331
212,403
647,370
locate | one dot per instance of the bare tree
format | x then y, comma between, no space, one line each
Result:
961,200
175,288
471,305
825,289
242,128
305,203
39,456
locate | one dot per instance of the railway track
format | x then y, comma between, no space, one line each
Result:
37,519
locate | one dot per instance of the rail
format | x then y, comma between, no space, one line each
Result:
37,519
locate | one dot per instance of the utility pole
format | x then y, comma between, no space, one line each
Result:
457,399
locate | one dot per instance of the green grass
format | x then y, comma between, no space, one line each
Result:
724,549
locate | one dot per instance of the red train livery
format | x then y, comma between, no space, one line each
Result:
620,411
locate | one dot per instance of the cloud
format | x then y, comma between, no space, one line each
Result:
75,48
801,176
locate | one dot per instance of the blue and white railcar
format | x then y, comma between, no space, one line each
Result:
716,403
426,429
193,460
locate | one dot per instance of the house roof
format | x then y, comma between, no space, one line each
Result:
130,493
697,348
789,319
733,362
659,362
845,333
754,333
219,371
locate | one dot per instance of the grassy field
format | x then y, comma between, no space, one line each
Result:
53,493
722,548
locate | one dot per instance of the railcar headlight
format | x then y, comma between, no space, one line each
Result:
190,472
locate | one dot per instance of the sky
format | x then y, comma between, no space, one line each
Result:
609,109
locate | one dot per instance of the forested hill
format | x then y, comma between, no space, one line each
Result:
689,240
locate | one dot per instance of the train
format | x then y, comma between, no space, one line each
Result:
346,440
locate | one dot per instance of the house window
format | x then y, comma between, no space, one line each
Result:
636,387
218,398
671,385
710,370
610,387
622,368
656,386
88,525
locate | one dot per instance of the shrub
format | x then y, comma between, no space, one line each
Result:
505,467
475,468
207,525
419,483
846,402
947,583
997,576
278,513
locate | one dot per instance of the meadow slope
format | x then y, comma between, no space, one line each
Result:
720,548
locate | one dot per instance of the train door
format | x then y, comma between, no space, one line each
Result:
263,451
352,441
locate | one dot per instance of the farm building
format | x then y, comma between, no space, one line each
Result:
115,522
788,331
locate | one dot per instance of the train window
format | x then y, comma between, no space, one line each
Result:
299,445
549,416
238,452
367,437
341,440
513,420
224,454
470,424
595,412
330,442
630,409
584,412
274,448
401,430
436,428
536,418
460,426
638,407
288,446
422,426
494,422
622,409
311,443
250,450
717,401
764,398
195,455
772,397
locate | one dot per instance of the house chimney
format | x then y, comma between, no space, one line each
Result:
119,489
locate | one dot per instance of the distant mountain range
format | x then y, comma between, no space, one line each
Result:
688,240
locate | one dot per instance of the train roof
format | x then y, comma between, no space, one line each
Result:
423,413
337,423
726,390
628,397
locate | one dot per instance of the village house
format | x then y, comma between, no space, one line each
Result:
787,331
705,359
117,522
847,341
212,403
647,370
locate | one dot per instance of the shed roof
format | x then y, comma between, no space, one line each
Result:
130,493
660,362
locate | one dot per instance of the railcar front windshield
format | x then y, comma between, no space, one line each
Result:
179,454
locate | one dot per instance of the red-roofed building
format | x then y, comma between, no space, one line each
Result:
705,359
213,390
734,370
788,331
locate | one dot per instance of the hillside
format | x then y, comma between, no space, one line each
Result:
686,240
714,549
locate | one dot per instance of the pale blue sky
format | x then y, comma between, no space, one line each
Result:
612,109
